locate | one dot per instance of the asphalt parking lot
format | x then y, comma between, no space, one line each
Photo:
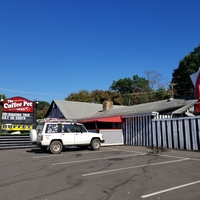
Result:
113,172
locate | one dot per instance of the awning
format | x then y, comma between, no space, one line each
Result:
103,119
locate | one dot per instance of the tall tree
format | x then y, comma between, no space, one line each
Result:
140,84
42,108
142,92
99,96
122,86
81,96
133,91
140,89
96,96
190,64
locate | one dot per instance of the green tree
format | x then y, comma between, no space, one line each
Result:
115,97
99,96
96,96
140,89
133,91
42,108
161,94
142,93
81,96
181,76
140,84
122,86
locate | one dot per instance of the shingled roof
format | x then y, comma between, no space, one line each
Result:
177,106
74,109
83,110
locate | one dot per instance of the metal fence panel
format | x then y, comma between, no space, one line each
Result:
177,133
181,134
187,134
137,130
194,135
169,133
164,133
112,137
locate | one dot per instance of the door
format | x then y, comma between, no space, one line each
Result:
81,136
68,134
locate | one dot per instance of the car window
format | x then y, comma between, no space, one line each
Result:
68,128
80,128
52,128
39,127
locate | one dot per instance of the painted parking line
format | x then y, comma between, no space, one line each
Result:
106,158
114,149
69,153
134,167
170,189
169,156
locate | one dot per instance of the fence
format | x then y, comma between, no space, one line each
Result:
112,137
177,133
174,133
137,130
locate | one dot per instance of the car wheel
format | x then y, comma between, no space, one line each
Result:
95,144
56,147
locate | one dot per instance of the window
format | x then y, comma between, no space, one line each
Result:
39,128
80,128
52,128
68,128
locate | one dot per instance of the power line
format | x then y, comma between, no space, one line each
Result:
140,93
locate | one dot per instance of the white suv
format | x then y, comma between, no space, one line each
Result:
53,135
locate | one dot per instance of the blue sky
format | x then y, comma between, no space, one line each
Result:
51,48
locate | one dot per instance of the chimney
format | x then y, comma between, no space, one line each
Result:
107,105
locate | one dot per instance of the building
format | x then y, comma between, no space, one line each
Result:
121,124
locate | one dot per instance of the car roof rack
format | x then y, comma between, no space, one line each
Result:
58,120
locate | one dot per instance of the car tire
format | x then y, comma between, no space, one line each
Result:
95,144
56,147
33,136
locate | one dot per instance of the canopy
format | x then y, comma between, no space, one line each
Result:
103,119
